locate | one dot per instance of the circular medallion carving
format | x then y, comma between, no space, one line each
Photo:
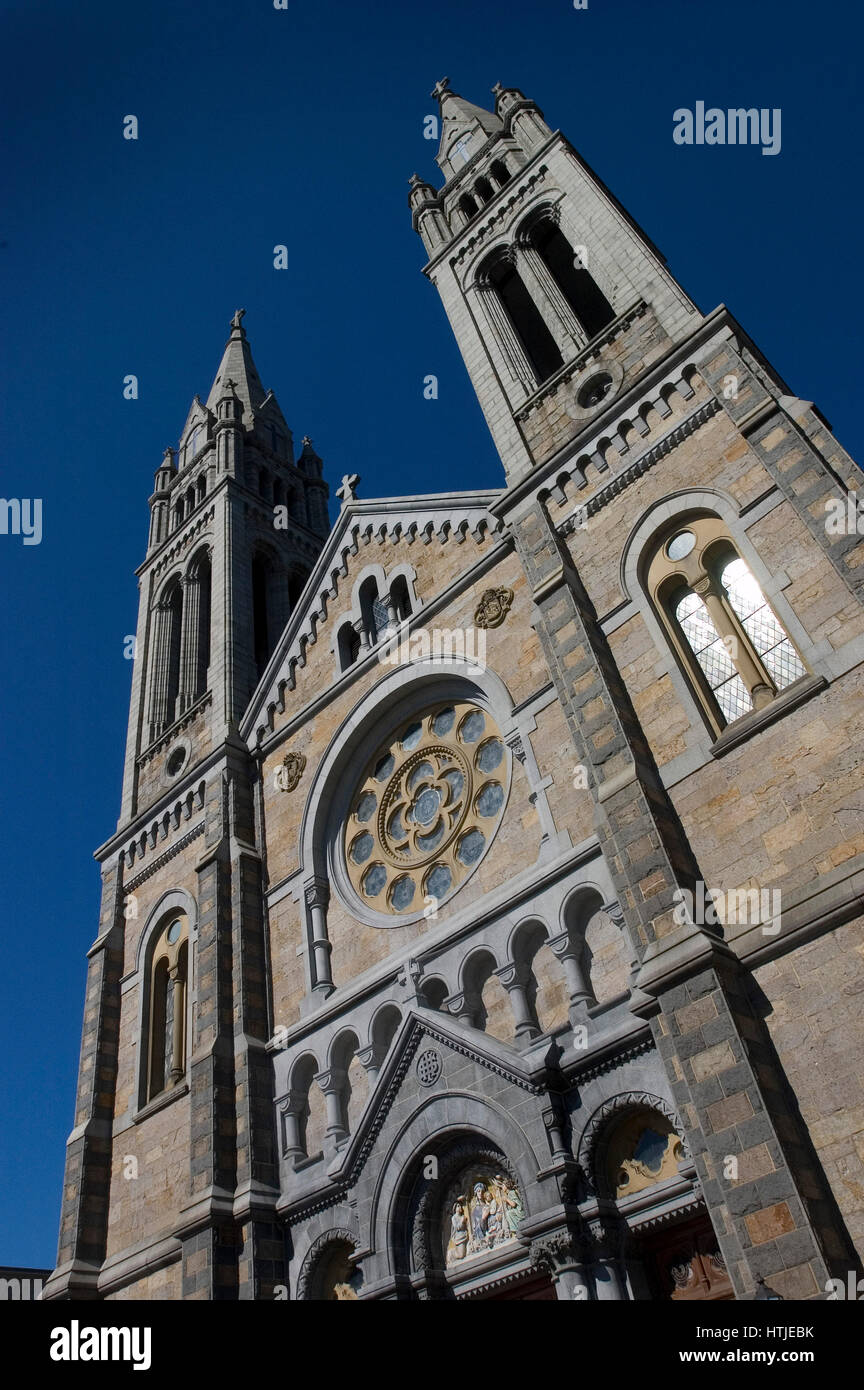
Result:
429,1067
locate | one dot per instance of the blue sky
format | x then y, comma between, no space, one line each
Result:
301,126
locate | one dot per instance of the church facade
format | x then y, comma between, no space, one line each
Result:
485,915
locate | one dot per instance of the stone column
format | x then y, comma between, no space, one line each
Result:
463,1006
370,1058
291,1111
570,953
514,977
761,692
332,1083
317,896
178,1023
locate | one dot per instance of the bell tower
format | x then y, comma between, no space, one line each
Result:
236,524
537,264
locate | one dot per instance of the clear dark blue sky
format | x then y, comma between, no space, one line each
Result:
301,127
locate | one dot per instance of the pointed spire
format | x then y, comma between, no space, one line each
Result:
464,127
238,367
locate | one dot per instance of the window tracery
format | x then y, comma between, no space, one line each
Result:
428,808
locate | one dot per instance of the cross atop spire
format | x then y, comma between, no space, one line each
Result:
440,88
237,371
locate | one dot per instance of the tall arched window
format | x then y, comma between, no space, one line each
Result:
400,598
165,1041
349,645
483,189
202,487
468,206
165,658
260,613
500,275
724,631
498,170
196,629
578,287
373,610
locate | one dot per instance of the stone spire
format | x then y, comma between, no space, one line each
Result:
464,128
238,366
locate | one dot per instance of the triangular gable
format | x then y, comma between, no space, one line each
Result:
440,518
426,1025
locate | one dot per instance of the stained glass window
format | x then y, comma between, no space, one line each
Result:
712,653
769,640
427,809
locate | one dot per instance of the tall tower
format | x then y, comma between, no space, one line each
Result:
654,460
236,524
182,1123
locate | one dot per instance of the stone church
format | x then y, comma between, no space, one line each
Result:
485,915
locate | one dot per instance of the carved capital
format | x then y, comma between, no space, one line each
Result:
317,893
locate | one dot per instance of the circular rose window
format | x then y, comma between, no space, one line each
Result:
427,809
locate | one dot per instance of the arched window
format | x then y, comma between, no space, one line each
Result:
165,1041
197,624
578,287
260,611
498,170
278,495
723,630
192,445
373,610
483,189
264,483
400,598
349,646
468,206
432,994
165,653
528,323
202,487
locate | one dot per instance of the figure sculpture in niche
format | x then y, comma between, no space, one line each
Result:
484,1221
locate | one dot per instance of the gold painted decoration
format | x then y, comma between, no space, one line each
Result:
427,809
644,1152
493,607
291,771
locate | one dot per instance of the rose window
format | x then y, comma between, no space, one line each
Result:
427,809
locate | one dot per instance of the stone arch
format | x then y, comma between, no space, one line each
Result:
432,991
184,905
431,1130
603,951
384,1027
540,974
347,1077
485,1001
593,1144
306,1103
402,692
328,1256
